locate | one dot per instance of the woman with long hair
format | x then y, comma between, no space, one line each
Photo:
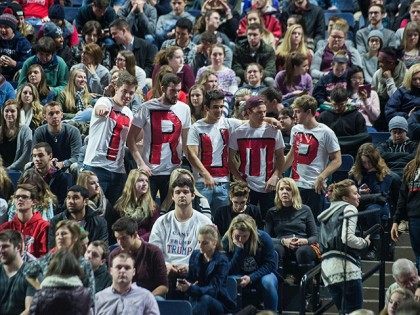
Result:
173,56
207,275
209,22
15,139
6,186
293,224
408,206
36,76
127,61
251,257
200,203
344,199
156,90
208,78
196,101
62,286
294,80
411,44
30,106
398,296
136,202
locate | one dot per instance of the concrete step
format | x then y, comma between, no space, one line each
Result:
404,252
404,240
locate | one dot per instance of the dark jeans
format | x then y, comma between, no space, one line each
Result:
264,200
414,227
312,200
205,305
304,255
353,296
159,183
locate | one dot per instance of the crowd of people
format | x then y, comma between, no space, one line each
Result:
150,149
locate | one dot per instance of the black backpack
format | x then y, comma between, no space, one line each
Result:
329,237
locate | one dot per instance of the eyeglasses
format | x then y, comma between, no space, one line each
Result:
120,59
23,197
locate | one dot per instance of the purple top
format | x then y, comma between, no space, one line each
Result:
304,83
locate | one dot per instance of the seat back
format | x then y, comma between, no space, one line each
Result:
347,162
379,137
179,307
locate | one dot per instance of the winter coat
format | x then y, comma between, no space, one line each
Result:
402,102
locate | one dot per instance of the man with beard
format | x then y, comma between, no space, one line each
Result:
123,296
78,210
165,122
15,291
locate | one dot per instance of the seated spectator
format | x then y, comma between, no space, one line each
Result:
414,124
286,122
405,275
375,15
386,80
15,139
254,75
6,188
36,77
331,22
254,50
414,16
243,243
29,222
142,17
273,101
196,102
183,29
293,227
98,10
127,61
150,266
65,140
398,150
15,48
165,27
363,97
55,68
293,41
29,106
156,90
68,236
294,80
23,26
173,56
56,33
226,76
97,254
254,16
175,233
396,298
241,96
407,97
136,202
238,197
207,275
323,60
57,15
337,77
199,202
370,58
77,209
124,296
209,23
411,44
62,284
98,76
15,290
344,121
7,90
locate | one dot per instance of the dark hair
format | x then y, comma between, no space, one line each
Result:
101,244
287,111
350,72
239,189
122,255
214,95
208,37
51,104
182,182
125,77
29,187
294,59
255,26
125,224
12,236
170,78
44,145
79,189
271,94
46,45
95,51
339,94
120,24
101,3
91,26
392,52
184,23
379,6
64,264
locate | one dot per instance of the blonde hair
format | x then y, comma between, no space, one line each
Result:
69,93
5,182
296,198
132,206
244,223
211,231
37,117
285,47
409,75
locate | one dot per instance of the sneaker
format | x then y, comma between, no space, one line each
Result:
403,226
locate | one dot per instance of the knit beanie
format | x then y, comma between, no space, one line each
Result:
8,19
52,30
398,122
56,11
16,8
376,33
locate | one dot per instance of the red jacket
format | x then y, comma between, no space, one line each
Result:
35,233
271,23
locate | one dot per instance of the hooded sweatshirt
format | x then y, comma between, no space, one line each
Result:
34,232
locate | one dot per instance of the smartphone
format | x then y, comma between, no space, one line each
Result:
367,88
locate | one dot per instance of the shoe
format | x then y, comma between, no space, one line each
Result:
290,280
403,226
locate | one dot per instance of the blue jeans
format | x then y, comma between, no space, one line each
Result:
218,196
206,304
414,227
269,286
353,296
111,183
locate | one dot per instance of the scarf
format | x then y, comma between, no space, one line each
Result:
26,118
57,281
79,100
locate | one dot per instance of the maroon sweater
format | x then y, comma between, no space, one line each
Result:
150,266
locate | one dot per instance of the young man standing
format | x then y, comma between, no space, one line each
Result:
315,153
165,122
28,222
208,151
260,147
109,126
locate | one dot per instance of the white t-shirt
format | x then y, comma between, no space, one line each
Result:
311,149
162,140
177,239
107,136
213,146
256,147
